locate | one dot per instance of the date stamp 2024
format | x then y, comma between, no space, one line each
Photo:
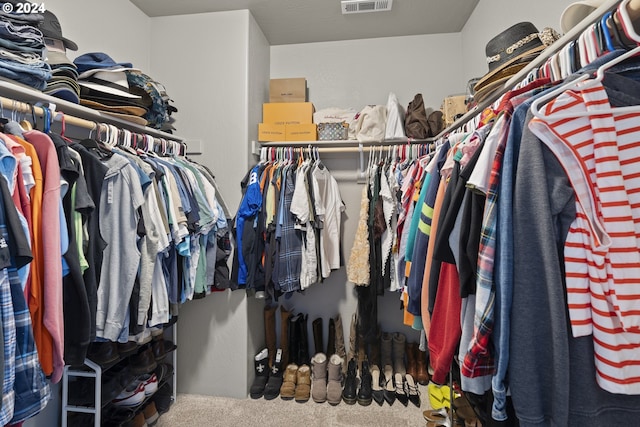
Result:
23,8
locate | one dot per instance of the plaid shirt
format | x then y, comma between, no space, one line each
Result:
29,391
479,360
290,256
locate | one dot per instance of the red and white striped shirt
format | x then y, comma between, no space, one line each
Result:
601,156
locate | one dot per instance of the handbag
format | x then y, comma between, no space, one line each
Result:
333,131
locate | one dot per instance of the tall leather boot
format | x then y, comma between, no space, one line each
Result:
284,334
331,338
270,331
353,334
411,350
399,342
422,376
294,339
374,351
303,342
339,343
385,349
316,326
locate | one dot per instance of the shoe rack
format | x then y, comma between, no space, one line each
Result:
91,369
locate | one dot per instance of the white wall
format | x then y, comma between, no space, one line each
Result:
115,27
354,74
491,17
360,72
204,59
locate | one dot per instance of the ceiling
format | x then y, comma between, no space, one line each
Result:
308,21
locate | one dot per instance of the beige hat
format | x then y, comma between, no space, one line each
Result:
576,12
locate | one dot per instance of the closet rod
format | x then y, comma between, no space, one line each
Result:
634,12
356,149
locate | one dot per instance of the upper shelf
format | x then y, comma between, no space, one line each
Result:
342,142
32,96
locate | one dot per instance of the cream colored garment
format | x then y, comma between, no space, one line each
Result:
358,265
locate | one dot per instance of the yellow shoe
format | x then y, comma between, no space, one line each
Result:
437,397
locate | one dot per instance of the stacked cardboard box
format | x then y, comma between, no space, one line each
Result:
286,117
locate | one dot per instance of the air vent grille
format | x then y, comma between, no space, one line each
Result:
363,6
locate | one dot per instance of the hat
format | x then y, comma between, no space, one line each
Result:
89,63
51,28
518,44
124,109
576,12
110,82
502,77
56,58
128,117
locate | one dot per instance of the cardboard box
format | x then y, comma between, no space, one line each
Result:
271,132
288,90
287,113
305,132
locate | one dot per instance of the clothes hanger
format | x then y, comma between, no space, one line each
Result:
581,83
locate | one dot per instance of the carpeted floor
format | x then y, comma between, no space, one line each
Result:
194,410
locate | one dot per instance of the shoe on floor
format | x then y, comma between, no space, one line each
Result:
272,389
319,378
303,384
377,382
349,394
401,394
412,390
151,414
288,389
334,385
389,385
261,374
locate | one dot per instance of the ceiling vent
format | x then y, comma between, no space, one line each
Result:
363,6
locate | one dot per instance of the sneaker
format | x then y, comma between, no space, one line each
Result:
150,383
133,395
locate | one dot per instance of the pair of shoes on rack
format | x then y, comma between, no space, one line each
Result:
138,390
296,383
439,395
326,380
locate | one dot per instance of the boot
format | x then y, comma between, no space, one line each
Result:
362,354
399,342
374,351
294,339
284,334
353,333
319,378
331,339
262,374
365,392
411,349
385,349
339,344
272,389
334,386
422,374
270,331
316,326
349,392
303,342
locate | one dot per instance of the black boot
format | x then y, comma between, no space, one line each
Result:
331,340
303,341
349,392
272,389
294,339
261,363
364,394
316,326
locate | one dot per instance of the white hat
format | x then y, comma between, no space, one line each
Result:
576,12
109,81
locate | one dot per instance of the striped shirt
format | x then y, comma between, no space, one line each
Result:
600,154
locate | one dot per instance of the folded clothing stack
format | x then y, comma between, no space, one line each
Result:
22,49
